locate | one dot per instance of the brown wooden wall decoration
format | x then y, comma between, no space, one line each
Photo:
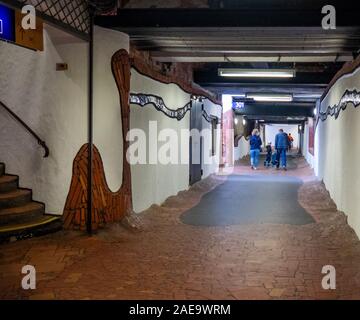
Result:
147,70
108,206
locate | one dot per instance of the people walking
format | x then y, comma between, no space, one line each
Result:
281,146
255,148
267,162
291,141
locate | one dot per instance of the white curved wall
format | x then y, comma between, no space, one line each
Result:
242,150
337,149
153,183
305,147
211,164
53,104
107,112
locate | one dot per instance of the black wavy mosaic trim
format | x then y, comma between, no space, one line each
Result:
142,99
209,118
352,97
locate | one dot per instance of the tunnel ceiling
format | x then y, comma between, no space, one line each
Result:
284,35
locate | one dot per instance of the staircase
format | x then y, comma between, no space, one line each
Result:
20,216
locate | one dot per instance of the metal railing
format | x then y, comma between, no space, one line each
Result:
42,143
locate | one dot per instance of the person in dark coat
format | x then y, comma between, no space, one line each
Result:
255,148
281,146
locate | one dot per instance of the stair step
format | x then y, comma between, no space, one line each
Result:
14,198
8,183
22,214
2,169
37,227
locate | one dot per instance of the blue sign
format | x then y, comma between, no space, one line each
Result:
238,105
7,23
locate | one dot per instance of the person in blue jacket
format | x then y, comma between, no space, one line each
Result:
281,145
255,148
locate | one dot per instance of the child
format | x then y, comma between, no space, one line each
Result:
268,155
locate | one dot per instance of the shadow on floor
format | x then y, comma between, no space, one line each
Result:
245,199
291,160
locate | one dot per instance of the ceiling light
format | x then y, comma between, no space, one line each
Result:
307,95
257,73
244,121
236,121
270,97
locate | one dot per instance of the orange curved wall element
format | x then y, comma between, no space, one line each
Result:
108,206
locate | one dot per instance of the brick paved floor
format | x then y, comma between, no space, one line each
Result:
170,260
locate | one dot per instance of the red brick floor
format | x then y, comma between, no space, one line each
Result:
170,260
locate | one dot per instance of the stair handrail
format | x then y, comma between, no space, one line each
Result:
40,142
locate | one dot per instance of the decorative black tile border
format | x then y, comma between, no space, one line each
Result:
142,99
348,97
209,118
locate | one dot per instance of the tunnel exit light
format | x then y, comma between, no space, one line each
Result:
7,23
270,97
257,73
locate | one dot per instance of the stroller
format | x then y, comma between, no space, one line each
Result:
274,160
271,160
271,157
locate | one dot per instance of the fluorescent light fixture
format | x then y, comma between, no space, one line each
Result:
257,73
244,121
307,95
270,97
236,121
315,111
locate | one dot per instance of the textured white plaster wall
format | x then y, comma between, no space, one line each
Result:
153,183
305,147
53,104
242,150
107,112
337,149
213,161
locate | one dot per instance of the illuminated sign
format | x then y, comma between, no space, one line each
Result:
7,23
238,105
